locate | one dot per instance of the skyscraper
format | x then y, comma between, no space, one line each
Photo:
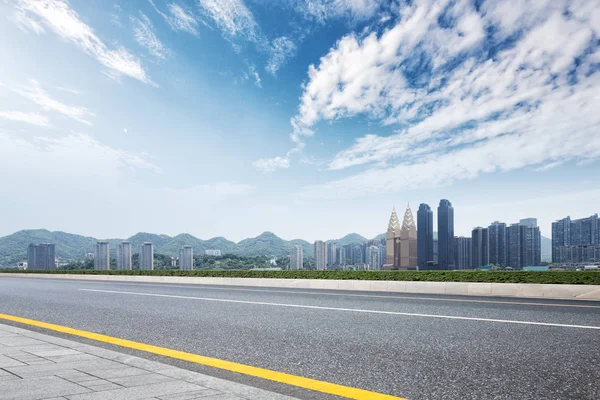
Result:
102,256
401,242
124,256
497,232
445,235
462,252
296,258
524,244
576,241
480,245
513,240
424,235
186,258
41,256
374,260
332,254
531,250
147,256
320,255
392,237
408,241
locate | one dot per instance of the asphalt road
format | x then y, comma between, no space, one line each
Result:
400,344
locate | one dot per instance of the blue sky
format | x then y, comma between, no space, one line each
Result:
310,118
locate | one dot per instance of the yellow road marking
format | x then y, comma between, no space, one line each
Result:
288,379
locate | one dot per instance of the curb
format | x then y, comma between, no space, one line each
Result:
519,290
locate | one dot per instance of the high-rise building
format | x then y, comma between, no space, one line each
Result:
374,260
513,240
524,244
296,258
445,234
392,237
358,255
435,250
342,257
332,254
480,247
102,256
531,244
497,233
462,252
147,256
401,242
530,222
186,258
424,235
124,256
320,255
576,241
41,256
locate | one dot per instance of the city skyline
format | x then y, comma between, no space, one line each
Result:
239,111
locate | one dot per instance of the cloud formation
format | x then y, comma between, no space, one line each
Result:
35,93
282,49
179,19
233,18
271,164
471,91
27,117
144,34
64,21
322,10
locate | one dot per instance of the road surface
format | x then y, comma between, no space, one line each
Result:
411,346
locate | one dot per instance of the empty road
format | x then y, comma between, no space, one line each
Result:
411,346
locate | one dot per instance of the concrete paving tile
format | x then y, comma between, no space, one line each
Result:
41,388
139,392
53,353
140,380
31,371
41,347
121,371
224,397
9,362
12,341
72,358
102,387
191,395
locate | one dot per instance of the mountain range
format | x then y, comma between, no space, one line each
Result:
13,248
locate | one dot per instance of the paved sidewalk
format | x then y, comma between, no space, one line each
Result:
35,366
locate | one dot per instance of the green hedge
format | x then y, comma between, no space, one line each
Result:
556,277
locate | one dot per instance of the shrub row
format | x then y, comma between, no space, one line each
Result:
554,277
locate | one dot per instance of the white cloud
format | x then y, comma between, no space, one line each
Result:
76,156
254,74
64,21
145,36
35,93
233,18
282,49
271,164
27,117
460,116
179,19
326,9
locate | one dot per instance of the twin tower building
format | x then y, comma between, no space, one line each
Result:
401,242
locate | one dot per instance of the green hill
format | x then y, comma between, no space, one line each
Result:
70,247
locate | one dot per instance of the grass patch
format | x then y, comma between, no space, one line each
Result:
546,277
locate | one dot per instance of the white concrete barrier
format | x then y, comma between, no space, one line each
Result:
526,290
